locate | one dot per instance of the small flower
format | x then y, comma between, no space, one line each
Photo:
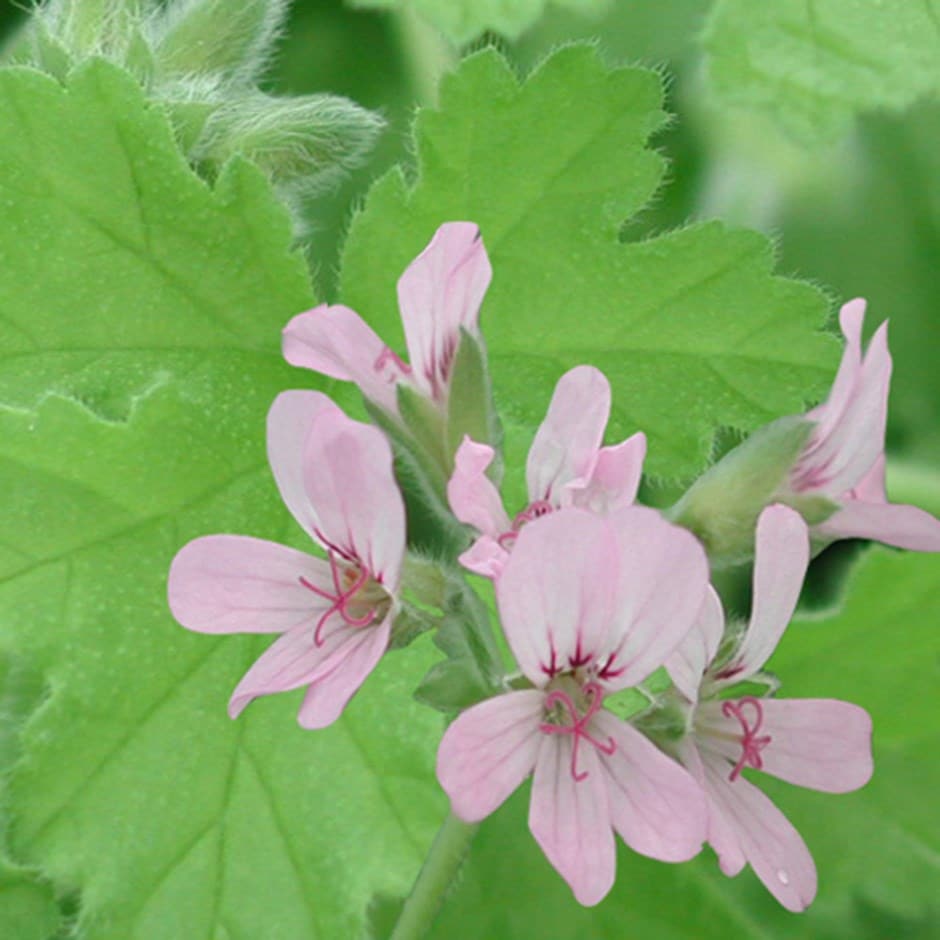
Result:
439,294
843,459
590,605
335,475
566,467
822,744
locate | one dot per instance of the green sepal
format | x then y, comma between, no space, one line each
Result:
473,669
423,592
230,38
722,506
47,53
426,425
138,58
471,411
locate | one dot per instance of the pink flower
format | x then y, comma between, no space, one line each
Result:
818,743
566,467
439,294
844,457
590,605
335,475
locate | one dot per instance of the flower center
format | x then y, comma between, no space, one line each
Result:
751,744
391,366
562,717
357,598
535,509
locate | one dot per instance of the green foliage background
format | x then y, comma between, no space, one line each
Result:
139,319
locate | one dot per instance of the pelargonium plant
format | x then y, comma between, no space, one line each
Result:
629,690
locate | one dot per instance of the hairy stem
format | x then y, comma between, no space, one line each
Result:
440,868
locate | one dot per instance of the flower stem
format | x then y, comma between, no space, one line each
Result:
448,851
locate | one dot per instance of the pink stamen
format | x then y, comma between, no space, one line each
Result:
578,726
751,745
386,356
535,509
339,602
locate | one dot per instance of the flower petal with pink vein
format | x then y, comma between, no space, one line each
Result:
439,293
765,836
567,441
899,525
337,342
780,560
473,497
556,592
691,658
660,588
238,584
292,661
570,819
655,804
615,479
330,691
349,479
823,744
489,750
290,419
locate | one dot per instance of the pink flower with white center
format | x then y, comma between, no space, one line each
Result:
590,605
439,294
566,467
335,476
823,744
844,458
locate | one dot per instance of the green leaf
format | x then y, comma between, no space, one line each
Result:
816,65
692,329
28,910
464,20
140,318
877,850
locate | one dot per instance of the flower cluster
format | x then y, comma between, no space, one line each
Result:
596,595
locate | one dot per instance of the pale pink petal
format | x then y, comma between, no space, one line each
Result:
721,834
891,523
237,584
329,692
655,805
350,482
838,458
823,744
616,477
691,658
292,661
473,496
485,557
780,561
660,589
440,293
566,443
766,837
555,594
489,750
851,320
337,342
290,419
871,488
570,818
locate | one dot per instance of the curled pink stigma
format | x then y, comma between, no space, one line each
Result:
389,356
535,509
578,726
751,745
340,600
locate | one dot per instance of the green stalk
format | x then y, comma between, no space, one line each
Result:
440,868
